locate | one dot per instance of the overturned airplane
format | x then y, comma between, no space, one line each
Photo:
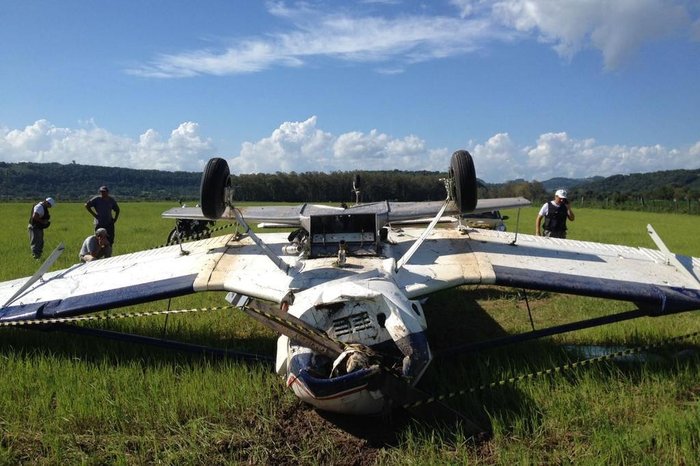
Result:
344,288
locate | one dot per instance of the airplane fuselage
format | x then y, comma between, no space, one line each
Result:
382,332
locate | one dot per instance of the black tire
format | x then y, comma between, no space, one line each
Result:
464,176
215,180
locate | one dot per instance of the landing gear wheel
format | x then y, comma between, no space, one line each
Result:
464,181
215,180
173,236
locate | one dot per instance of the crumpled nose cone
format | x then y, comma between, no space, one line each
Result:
384,335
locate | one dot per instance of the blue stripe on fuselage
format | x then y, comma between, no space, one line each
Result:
321,387
303,365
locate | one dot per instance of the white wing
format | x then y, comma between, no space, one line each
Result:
220,263
644,276
448,258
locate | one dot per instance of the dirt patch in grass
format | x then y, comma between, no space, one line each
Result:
347,440
298,434
344,440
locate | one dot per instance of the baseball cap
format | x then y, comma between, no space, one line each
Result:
100,232
103,188
561,193
51,201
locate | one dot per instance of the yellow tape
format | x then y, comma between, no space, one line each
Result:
62,320
553,370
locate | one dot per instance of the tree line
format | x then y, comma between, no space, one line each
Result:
75,182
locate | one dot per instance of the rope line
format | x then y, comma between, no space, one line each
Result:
198,236
553,370
61,320
310,332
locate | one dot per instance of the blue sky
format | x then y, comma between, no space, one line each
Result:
532,88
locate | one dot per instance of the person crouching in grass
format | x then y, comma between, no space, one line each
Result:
95,246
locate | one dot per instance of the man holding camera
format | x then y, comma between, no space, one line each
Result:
555,214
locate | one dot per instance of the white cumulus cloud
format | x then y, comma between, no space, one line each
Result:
558,155
184,149
303,146
616,28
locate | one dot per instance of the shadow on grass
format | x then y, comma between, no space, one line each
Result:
69,344
454,317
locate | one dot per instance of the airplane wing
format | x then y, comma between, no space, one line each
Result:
220,263
650,278
295,215
403,211
290,216
654,279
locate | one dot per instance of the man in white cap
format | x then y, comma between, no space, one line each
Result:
95,246
555,214
39,220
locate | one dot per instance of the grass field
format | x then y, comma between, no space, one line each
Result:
68,399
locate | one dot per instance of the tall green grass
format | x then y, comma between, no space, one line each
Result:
68,399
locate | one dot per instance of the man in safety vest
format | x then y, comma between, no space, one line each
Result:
555,214
39,220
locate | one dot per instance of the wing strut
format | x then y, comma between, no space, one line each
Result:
282,265
670,257
39,273
414,247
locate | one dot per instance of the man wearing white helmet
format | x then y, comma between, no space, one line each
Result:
555,214
39,220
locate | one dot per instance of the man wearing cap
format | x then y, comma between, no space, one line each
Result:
101,208
39,220
555,214
95,246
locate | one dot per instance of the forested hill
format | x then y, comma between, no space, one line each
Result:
74,182
671,184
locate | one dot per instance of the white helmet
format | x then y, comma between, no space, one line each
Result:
561,193
51,201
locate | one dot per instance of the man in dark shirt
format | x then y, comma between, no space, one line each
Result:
101,208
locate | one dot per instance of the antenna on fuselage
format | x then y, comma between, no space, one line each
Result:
356,183
517,228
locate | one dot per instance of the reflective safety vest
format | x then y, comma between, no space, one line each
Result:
46,217
555,220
